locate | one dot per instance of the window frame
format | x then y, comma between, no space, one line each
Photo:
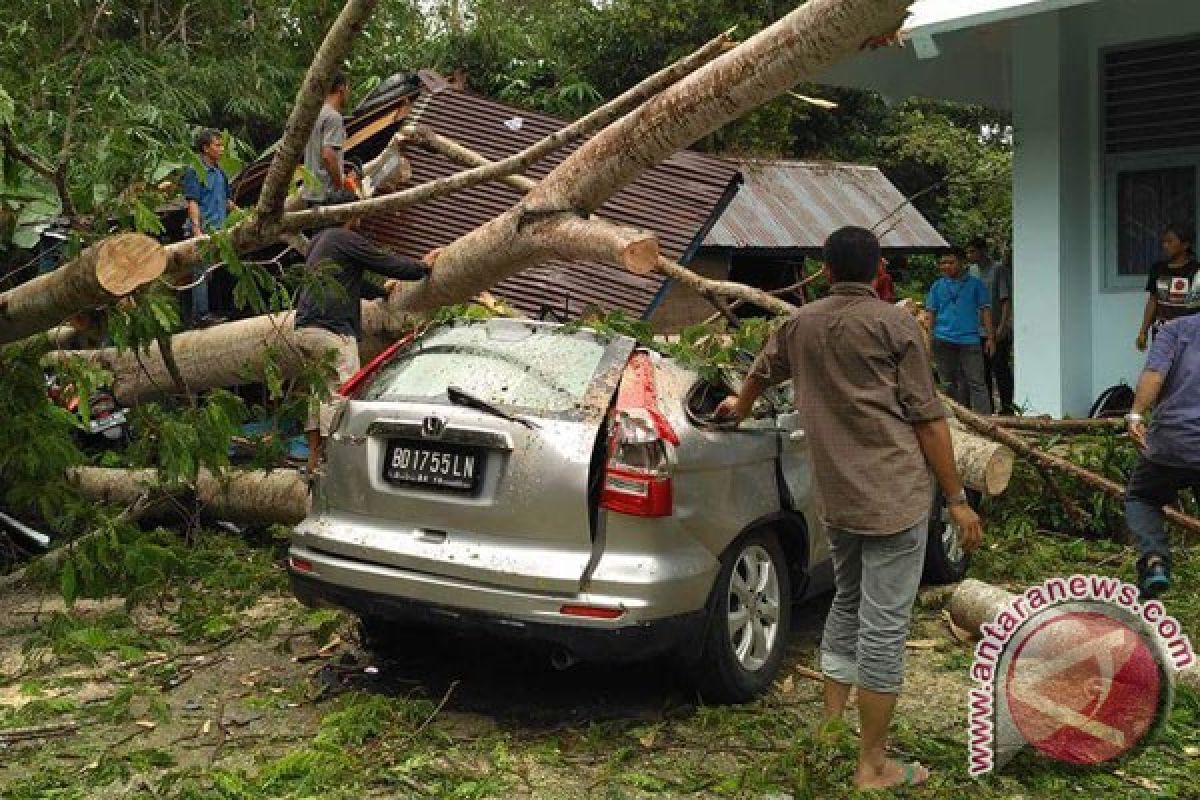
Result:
1119,163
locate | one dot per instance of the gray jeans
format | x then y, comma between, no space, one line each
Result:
877,579
960,368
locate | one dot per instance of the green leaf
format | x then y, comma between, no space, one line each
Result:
67,583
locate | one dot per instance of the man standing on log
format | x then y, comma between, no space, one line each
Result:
332,320
864,391
208,206
1170,451
323,152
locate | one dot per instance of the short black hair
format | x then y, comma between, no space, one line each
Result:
337,82
1182,232
204,138
957,252
979,243
852,255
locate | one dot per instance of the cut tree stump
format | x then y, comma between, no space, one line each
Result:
984,465
975,603
100,275
249,496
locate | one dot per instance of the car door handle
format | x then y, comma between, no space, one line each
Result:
798,435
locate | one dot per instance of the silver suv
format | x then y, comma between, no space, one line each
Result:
567,487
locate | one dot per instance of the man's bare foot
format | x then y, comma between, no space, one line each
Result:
892,774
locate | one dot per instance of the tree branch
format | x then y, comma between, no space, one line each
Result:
60,177
308,103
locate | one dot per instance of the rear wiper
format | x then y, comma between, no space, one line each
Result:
460,397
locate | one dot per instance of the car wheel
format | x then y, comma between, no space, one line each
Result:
945,559
749,619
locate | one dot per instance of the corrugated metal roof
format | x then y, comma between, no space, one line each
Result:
795,205
676,200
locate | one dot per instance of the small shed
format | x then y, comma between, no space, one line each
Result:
781,216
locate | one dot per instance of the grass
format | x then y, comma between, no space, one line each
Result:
386,740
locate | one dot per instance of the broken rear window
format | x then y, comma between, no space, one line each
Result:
508,363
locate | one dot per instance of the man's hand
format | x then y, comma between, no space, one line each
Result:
391,285
1141,341
1137,432
970,527
431,257
989,346
728,409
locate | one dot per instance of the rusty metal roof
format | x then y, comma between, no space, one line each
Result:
677,200
795,205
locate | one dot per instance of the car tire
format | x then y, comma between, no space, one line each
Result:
732,668
945,559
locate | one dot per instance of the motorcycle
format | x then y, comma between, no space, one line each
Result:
107,425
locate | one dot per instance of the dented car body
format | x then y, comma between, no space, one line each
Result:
567,487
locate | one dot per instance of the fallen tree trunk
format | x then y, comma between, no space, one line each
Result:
255,496
102,274
975,603
229,354
984,427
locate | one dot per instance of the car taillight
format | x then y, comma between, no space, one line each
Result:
356,381
637,474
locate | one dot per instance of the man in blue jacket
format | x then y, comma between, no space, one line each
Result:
958,307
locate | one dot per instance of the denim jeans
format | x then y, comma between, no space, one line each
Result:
961,369
877,578
1151,487
200,306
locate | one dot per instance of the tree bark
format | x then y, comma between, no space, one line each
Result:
102,274
1047,425
254,496
1189,525
975,603
309,99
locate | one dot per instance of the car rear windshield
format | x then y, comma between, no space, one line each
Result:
508,363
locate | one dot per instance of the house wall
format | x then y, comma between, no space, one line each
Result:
1074,336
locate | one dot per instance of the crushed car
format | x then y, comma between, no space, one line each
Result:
567,487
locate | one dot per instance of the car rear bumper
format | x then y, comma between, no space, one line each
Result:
585,639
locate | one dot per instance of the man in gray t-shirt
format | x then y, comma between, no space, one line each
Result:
998,279
323,153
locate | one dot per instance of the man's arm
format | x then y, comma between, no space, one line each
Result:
193,212
1150,383
739,406
1148,315
368,256
330,160
933,437
989,333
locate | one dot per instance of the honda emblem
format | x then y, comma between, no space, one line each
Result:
432,427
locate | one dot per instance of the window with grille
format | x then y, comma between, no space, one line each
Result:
1151,130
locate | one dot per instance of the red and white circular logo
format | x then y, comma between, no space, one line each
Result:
1083,687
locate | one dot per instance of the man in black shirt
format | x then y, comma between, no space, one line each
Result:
1173,286
332,320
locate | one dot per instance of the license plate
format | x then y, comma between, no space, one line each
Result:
441,466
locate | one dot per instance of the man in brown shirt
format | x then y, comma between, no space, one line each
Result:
864,391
